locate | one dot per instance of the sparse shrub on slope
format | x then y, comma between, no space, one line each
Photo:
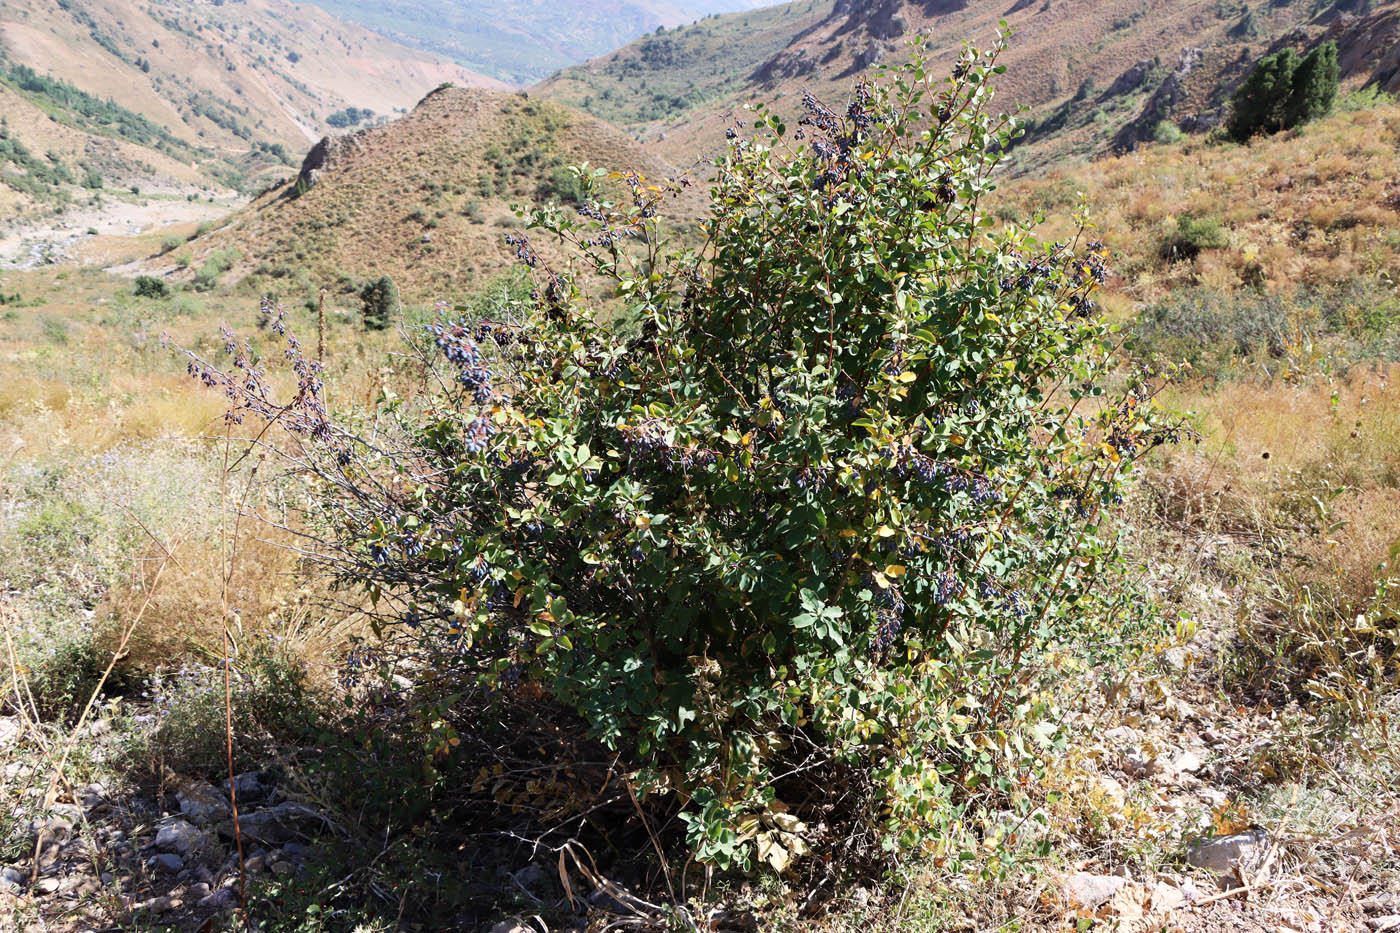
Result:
379,302
805,536
148,286
1193,234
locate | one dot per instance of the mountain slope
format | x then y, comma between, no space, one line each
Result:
521,41
169,93
1097,74
425,199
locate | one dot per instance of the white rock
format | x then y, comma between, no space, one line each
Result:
1222,854
1086,890
1212,796
178,836
1166,897
46,885
1380,924
1188,762
1110,789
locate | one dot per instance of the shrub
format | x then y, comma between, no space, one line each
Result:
1314,91
148,286
1167,132
1283,92
563,184
1193,234
814,508
379,302
215,265
188,735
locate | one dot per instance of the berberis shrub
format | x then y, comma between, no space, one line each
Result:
808,519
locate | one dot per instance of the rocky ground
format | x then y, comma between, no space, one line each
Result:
1185,827
168,862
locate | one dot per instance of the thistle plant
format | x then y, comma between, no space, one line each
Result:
808,518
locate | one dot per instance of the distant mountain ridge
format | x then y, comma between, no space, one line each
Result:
1097,75
171,94
522,41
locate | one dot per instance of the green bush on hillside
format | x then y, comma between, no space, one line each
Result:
379,302
818,511
1193,234
148,286
1284,91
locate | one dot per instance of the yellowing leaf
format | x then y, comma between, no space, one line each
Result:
907,376
957,440
895,570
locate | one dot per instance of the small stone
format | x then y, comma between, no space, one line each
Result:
254,864
12,875
252,787
1086,890
1110,790
198,892
105,877
1166,897
1381,924
1223,855
283,868
277,825
219,900
168,861
1134,762
201,803
46,885
93,796
296,850
160,905
178,836
531,877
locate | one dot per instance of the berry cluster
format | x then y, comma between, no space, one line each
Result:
646,444
463,351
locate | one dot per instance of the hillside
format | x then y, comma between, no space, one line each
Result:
1096,75
174,98
1316,209
523,40
425,199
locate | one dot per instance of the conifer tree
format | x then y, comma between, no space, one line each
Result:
379,300
1314,86
1261,103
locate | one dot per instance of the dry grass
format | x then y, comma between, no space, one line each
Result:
1315,206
